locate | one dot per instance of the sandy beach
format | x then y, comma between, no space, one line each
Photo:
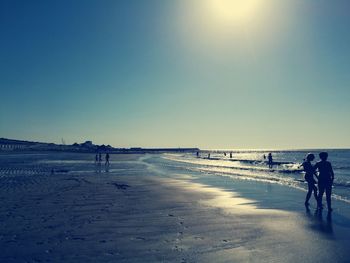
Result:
133,213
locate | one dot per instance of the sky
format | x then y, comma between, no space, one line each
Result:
186,73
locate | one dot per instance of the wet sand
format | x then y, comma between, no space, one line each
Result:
128,215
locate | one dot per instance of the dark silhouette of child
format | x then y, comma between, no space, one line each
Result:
309,178
270,160
325,179
107,159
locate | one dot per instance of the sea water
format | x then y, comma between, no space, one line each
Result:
251,165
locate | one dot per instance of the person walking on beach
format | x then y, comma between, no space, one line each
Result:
325,180
96,158
230,155
270,160
99,158
309,178
107,159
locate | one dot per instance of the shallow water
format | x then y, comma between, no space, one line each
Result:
251,165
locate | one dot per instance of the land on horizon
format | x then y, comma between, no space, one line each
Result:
87,146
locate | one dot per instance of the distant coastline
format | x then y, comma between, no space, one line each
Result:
10,145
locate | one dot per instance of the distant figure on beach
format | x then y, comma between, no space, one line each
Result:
270,160
107,159
197,154
264,156
309,178
230,155
96,158
224,154
325,180
99,157
208,155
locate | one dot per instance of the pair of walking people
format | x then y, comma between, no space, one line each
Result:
98,158
323,171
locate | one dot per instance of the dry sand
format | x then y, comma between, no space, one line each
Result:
88,217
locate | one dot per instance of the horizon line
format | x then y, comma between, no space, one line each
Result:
209,149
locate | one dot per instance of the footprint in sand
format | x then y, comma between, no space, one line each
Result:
78,238
178,248
111,253
183,225
139,238
120,186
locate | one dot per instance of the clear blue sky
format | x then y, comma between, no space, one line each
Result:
222,74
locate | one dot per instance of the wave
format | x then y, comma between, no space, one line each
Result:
286,173
238,164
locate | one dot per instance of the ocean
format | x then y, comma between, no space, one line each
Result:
251,165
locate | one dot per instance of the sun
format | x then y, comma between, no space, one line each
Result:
224,26
234,12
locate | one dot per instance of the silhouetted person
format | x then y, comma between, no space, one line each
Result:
208,155
230,155
197,154
96,158
99,157
264,156
325,179
224,154
107,159
269,160
309,178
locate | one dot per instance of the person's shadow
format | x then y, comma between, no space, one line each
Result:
319,223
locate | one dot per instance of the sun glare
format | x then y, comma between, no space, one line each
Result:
234,12
221,27
223,18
